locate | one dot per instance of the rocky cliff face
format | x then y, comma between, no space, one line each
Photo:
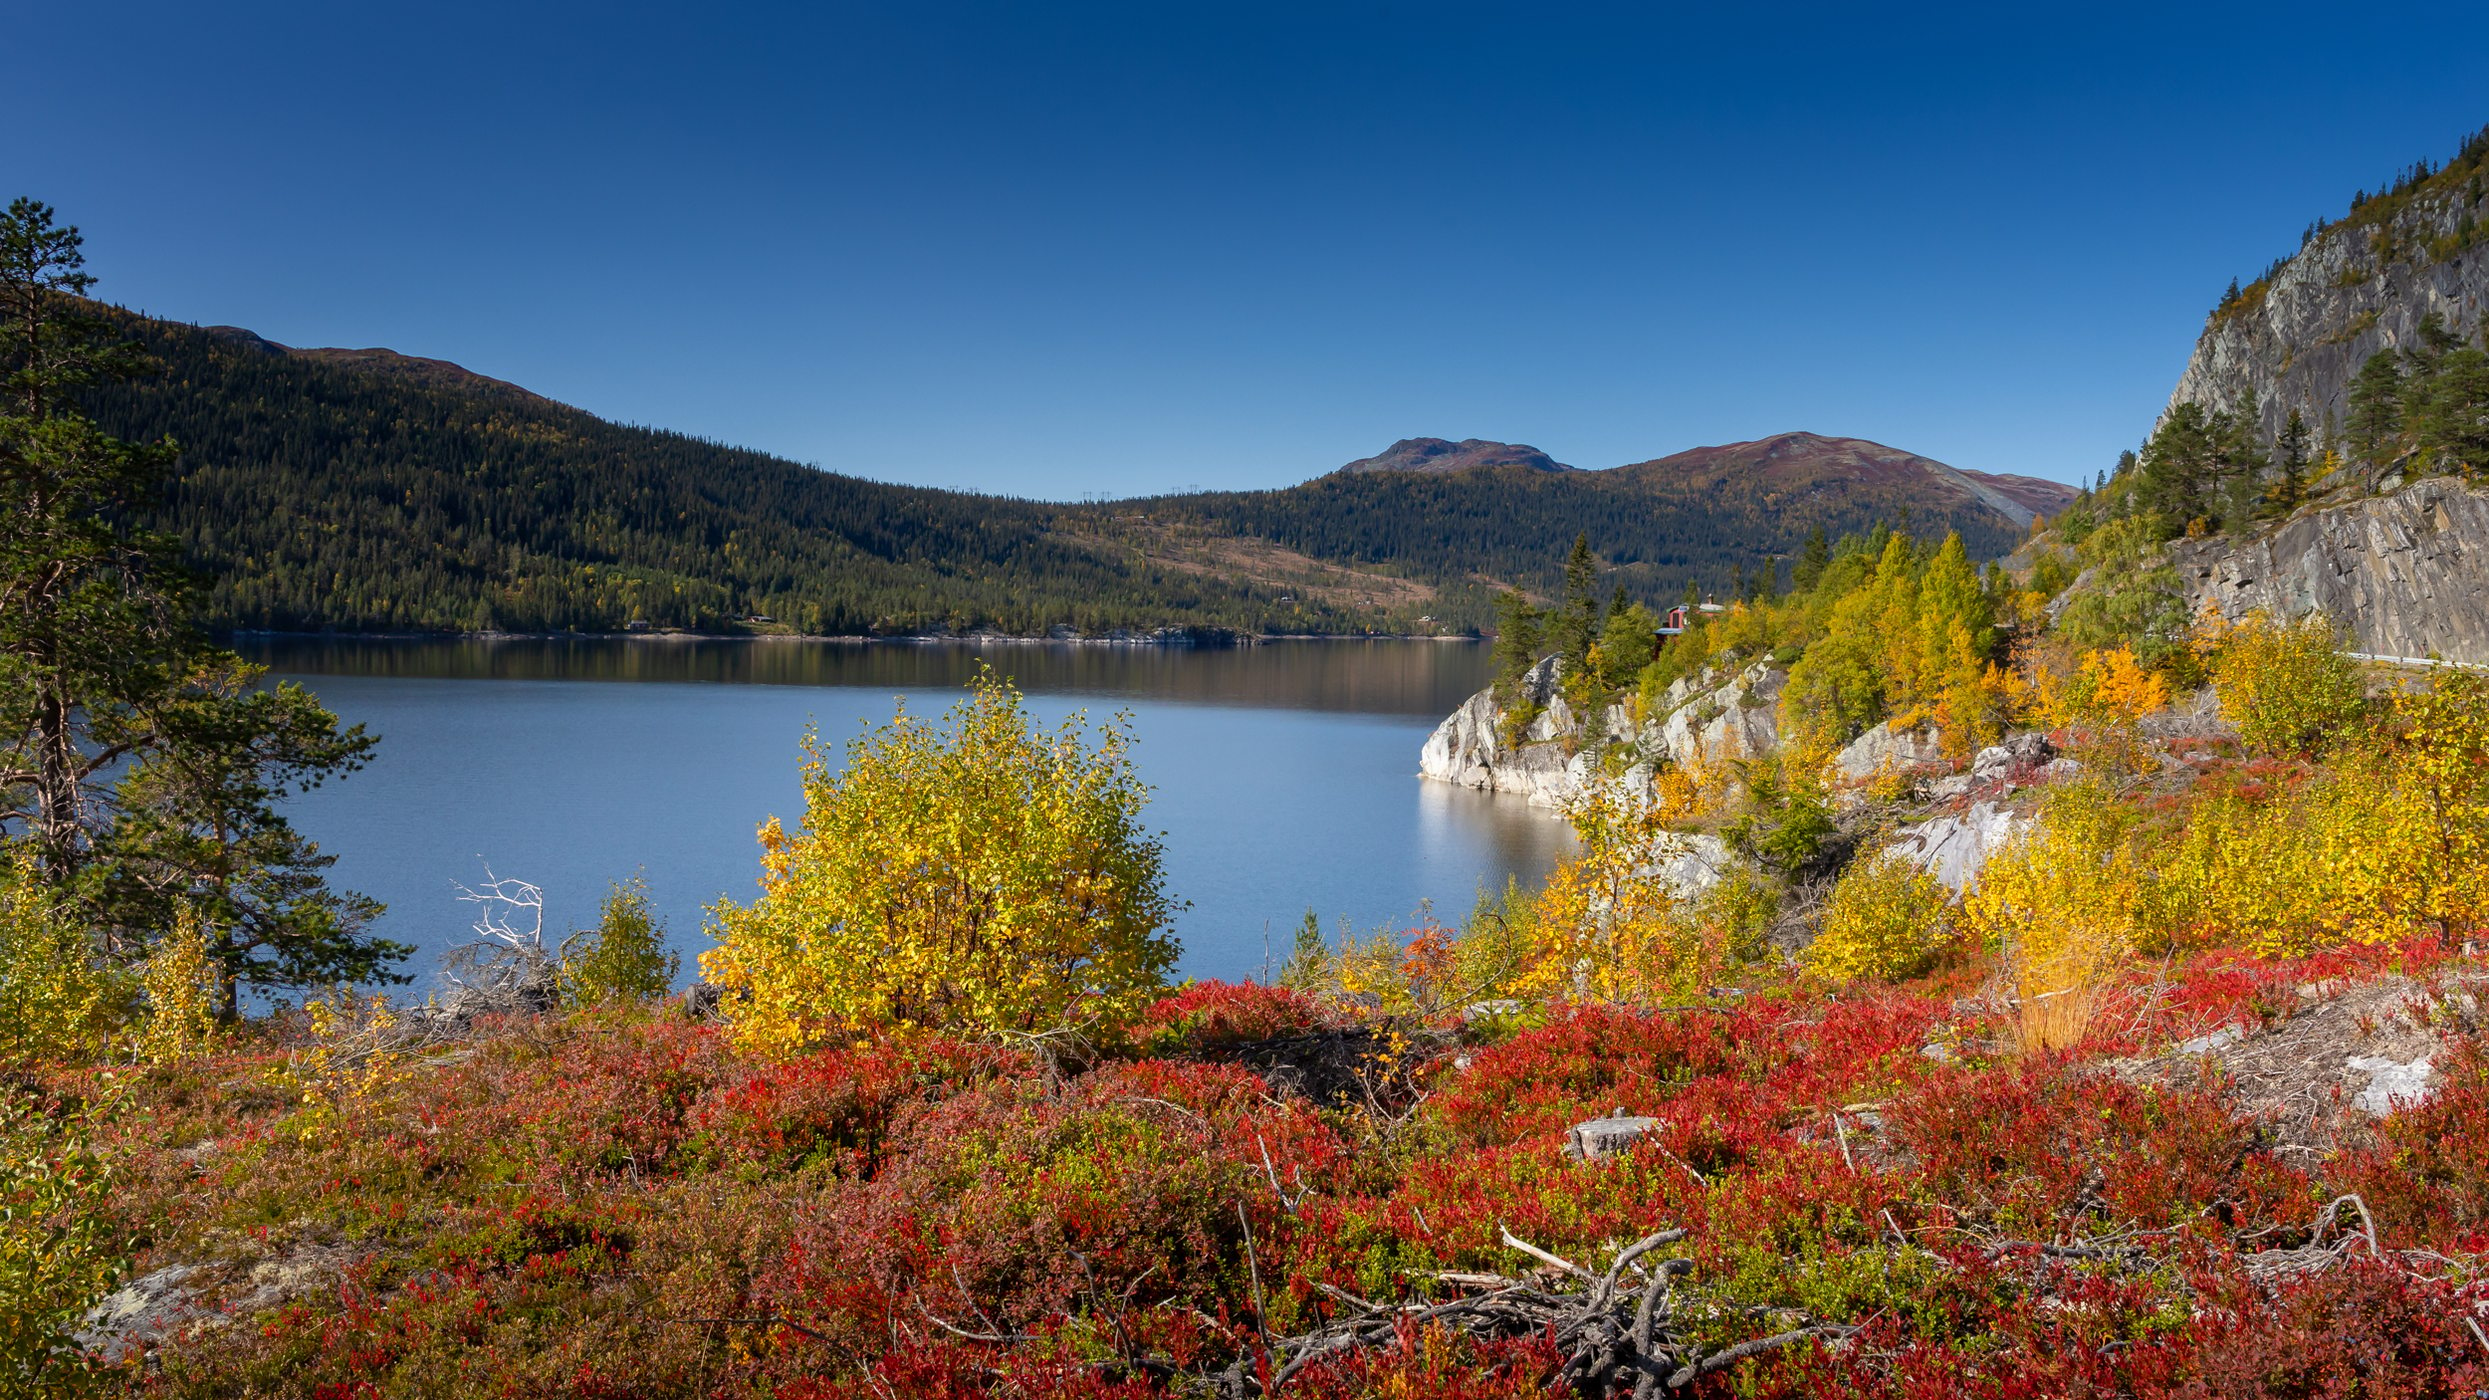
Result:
1732,712
2297,339
2406,574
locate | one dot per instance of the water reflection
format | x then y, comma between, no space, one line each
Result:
1346,676
1284,775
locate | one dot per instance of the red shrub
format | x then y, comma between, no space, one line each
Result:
952,1370
2365,1329
608,1101
1022,1200
1591,1061
1207,1015
835,1108
2035,1148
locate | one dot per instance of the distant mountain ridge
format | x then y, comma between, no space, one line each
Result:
1439,455
1784,462
1805,461
368,490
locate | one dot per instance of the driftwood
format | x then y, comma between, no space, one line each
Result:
1613,1328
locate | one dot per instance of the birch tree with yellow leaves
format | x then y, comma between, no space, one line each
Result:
980,874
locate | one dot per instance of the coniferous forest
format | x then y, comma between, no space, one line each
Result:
363,491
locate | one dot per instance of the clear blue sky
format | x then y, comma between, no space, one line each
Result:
1069,248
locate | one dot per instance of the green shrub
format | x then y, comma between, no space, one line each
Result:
624,958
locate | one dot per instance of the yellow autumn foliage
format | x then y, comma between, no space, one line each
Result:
1606,928
2065,903
2100,687
978,874
184,987
2392,838
2285,686
59,999
353,1059
1886,919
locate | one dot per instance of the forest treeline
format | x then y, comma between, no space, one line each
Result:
364,492
320,494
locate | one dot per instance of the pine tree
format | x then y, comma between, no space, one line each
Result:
1576,622
2376,424
1519,633
2454,422
92,631
1813,559
2238,463
2291,460
2180,464
145,765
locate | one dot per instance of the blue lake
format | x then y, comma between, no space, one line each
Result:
1284,775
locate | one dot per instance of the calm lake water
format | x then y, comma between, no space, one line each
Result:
1285,775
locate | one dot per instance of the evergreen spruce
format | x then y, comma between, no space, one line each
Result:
144,766
1575,624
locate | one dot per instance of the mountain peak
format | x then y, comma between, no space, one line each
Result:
1800,461
1438,456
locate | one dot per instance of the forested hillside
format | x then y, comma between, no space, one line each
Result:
387,493
1656,525
370,491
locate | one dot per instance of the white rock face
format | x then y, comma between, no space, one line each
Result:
1733,713
1468,747
1953,849
1736,715
2392,1084
1691,862
1883,750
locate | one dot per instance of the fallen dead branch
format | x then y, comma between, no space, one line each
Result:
1613,1328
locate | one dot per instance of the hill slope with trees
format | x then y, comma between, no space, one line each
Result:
365,490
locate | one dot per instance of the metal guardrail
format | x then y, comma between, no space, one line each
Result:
2416,661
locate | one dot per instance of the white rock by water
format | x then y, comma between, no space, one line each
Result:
1715,714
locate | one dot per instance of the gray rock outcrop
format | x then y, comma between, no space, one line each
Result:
1605,1137
2356,288
1883,749
2405,574
1955,848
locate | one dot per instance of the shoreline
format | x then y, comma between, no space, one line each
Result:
1177,639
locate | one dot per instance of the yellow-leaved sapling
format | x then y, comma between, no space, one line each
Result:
184,986
981,875
2286,687
60,999
1886,920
